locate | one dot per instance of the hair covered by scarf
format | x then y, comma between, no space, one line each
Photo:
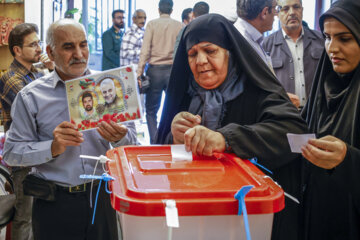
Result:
218,30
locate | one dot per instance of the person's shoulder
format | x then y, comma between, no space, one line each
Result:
176,23
270,40
272,36
43,83
315,33
11,78
107,33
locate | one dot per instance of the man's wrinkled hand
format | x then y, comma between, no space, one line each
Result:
112,131
65,134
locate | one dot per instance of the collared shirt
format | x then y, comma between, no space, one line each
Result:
297,52
131,46
111,41
11,83
37,110
159,41
255,38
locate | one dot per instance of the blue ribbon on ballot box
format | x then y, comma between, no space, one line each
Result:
104,177
240,196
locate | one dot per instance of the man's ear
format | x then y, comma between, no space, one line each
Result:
17,50
264,13
50,52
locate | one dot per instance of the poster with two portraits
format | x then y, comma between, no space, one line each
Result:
111,95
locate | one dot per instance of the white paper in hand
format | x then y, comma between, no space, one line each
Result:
179,153
296,141
171,213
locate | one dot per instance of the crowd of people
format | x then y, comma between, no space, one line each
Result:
228,89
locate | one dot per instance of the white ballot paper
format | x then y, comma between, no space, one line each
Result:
296,141
179,153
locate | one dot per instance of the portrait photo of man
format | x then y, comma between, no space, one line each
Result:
89,113
113,103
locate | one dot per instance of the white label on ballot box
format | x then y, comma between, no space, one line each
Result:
171,212
179,153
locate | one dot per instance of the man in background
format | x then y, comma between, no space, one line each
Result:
186,16
132,39
111,41
25,47
157,50
255,18
200,8
295,51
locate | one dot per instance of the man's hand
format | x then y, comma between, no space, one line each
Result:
203,141
181,123
139,81
294,99
112,132
65,134
47,62
326,152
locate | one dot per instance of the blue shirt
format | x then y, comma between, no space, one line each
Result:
37,110
254,37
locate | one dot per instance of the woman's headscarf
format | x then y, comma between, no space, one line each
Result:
334,101
218,30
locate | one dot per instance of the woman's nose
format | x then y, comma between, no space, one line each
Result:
201,58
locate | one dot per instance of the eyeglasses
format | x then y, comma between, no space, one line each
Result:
285,9
35,45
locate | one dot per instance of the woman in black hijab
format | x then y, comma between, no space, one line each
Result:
332,178
222,96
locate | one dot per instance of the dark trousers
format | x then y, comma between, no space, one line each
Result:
70,216
159,78
21,224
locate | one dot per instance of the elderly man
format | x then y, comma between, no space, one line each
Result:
132,40
295,51
255,18
25,47
42,136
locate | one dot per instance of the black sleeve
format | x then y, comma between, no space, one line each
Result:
347,174
265,138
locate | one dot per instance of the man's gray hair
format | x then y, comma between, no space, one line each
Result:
107,81
62,23
138,11
250,9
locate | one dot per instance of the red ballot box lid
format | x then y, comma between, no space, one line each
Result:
145,176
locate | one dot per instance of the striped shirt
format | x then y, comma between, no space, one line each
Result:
131,46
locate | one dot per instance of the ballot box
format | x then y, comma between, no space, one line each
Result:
147,177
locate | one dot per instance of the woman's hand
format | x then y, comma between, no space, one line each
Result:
203,141
326,152
294,99
181,123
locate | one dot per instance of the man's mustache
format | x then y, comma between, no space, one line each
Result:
75,61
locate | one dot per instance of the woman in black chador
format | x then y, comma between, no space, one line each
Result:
332,172
223,97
